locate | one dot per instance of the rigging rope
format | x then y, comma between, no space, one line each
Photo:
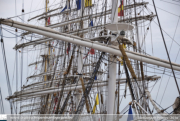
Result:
63,83
1,103
6,71
88,88
166,48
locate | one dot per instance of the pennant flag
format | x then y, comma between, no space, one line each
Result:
78,3
69,47
130,114
91,23
96,103
121,9
88,3
95,78
36,67
66,7
48,21
92,51
55,101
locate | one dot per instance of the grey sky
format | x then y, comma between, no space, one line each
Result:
168,22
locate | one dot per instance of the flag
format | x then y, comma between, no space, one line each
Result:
78,3
48,21
121,9
130,114
95,78
66,7
36,67
55,101
96,103
69,47
88,3
92,51
91,23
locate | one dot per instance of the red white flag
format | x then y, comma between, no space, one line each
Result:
48,20
68,49
36,67
92,51
121,9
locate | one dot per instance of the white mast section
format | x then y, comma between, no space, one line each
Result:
111,86
80,60
112,69
87,43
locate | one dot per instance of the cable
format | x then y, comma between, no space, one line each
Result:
44,44
166,48
6,71
176,1
1,103
170,2
165,11
175,60
32,11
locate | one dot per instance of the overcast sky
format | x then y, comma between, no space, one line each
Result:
168,18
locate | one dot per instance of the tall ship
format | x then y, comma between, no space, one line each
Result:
89,57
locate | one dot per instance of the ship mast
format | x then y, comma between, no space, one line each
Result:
112,66
57,89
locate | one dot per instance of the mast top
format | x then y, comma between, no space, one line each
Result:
119,27
115,26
